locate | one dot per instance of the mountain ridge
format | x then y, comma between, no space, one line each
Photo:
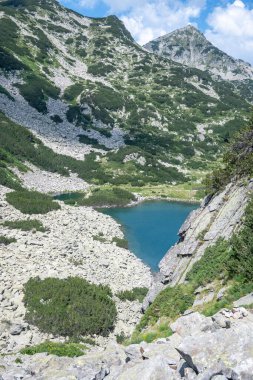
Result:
85,88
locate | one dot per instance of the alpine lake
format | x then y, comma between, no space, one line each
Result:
150,227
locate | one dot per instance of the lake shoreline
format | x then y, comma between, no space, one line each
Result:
147,224
141,200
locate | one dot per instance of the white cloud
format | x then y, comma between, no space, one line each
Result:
231,29
155,18
148,19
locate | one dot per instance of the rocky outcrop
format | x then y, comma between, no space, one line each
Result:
217,217
199,349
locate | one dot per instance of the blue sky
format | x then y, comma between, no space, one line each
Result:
227,24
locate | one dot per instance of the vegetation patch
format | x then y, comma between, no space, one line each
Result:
25,225
32,202
59,349
6,241
133,295
4,91
36,90
237,161
69,307
108,197
122,243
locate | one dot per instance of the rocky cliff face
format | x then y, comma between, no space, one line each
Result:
217,217
190,47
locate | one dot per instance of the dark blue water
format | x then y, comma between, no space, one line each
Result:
151,227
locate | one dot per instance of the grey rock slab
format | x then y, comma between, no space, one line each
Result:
16,329
155,369
243,301
233,346
191,324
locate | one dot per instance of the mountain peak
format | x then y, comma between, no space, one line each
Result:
189,46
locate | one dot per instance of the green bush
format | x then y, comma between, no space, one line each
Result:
237,161
122,243
120,338
69,307
213,264
6,241
8,179
36,90
170,303
31,202
133,295
3,90
108,197
25,225
73,91
59,349
240,263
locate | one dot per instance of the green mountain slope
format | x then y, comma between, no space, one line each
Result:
84,87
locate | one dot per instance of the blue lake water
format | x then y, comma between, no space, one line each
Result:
151,227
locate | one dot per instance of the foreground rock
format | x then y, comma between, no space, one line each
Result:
204,351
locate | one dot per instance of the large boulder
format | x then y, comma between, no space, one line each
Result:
233,346
191,324
156,368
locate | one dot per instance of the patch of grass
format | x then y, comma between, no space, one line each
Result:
6,241
69,307
122,243
157,331
237,161
31,202
108,197
59,349
213,265
236,291
170,303
100,238
133,295
120,338
25,225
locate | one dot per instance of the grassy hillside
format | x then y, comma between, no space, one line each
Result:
154,121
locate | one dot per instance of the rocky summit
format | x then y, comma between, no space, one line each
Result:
190,47
89,119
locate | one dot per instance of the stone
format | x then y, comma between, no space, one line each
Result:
235,346
154,369
221,321
243,301
191,323
134,352
16,329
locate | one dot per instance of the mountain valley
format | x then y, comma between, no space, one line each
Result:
89,119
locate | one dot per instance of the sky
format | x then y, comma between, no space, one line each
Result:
227,24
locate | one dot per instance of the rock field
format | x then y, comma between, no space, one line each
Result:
201,348
69,247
